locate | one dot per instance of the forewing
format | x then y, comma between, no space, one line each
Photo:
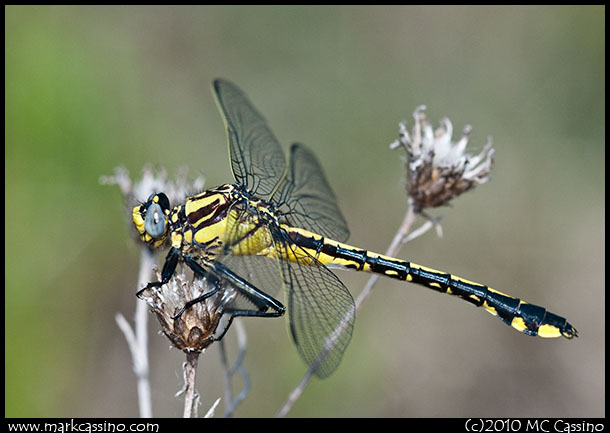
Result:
257,159
306,199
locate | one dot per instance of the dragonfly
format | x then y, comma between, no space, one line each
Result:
278,228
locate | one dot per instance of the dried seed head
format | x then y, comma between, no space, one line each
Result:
439,169
195,329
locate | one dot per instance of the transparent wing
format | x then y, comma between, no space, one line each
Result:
262,272
257,159
306,199
321,311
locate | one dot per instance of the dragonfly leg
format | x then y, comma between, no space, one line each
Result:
198,299
246,313
260,299
267,305
200,272
171,261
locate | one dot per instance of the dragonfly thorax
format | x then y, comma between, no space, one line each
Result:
207,222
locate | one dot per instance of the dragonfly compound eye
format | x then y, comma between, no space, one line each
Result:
155,221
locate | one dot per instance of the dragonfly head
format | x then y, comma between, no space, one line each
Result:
151,219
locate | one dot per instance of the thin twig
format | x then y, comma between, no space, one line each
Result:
137,338
190,393
400,238
224,362
210,412
432,222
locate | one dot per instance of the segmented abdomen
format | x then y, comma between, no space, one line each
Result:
528,318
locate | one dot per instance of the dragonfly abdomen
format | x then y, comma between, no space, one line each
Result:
527,318
524,317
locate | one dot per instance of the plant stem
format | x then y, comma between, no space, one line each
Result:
137,338
190,373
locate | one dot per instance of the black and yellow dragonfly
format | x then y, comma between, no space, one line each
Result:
278,227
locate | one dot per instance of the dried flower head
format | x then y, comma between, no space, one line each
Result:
195,329
439,169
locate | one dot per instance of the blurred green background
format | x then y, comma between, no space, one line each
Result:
92,88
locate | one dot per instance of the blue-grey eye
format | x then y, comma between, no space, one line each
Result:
155,221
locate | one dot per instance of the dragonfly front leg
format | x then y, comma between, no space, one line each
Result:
171,261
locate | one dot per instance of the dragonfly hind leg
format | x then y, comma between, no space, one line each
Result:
245,313
266,305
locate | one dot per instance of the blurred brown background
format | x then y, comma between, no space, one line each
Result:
91,88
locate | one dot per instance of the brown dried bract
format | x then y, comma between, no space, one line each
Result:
194,330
